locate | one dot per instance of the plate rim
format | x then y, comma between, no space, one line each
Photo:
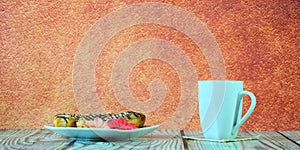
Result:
51,127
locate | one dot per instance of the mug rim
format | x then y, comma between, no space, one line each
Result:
220,81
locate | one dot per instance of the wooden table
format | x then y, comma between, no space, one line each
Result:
159,139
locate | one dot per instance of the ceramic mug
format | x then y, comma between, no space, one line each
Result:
220,108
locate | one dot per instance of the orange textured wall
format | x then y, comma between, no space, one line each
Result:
259,41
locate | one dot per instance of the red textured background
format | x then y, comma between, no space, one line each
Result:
259,42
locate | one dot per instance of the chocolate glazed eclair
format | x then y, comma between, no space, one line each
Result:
74,120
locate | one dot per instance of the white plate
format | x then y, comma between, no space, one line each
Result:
101,133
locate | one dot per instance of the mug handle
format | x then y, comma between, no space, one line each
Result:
250,110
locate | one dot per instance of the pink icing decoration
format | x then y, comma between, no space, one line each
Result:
96,123
121,124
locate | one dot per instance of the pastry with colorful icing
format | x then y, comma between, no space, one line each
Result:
106,120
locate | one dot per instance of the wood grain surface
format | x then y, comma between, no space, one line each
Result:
159,139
